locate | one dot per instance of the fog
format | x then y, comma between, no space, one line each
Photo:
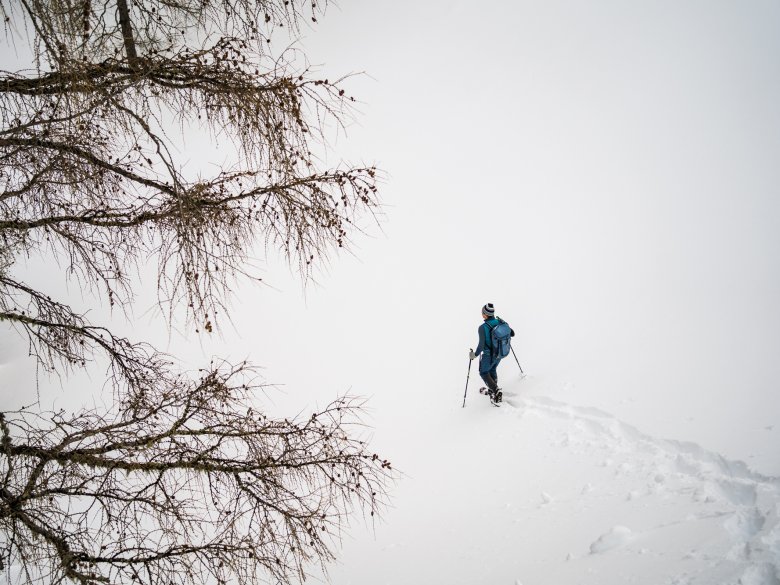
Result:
604,172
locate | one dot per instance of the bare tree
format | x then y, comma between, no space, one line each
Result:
185,485
182,480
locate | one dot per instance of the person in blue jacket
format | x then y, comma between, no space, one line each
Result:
487,361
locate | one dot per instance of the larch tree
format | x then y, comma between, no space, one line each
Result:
183,479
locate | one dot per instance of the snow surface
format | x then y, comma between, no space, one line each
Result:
540,491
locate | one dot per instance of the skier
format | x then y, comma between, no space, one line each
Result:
490,356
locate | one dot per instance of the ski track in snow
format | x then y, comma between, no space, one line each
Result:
543,492
737,506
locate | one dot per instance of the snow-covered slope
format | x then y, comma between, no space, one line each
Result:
544,492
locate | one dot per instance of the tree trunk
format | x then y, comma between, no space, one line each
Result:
127,33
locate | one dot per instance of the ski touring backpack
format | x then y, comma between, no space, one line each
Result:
500,340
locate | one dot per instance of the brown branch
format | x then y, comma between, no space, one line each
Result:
88,157
290,500
181,480
127,32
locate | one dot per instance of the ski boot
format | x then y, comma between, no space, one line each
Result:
496,396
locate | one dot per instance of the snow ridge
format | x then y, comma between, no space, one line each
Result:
723,512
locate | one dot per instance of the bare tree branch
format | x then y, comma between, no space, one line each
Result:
182,480
254,496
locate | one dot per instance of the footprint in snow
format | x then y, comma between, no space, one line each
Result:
749,501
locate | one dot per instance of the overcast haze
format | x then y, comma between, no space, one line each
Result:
606,173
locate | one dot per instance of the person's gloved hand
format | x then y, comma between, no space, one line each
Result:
471,354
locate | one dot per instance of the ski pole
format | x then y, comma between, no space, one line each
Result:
468,373
518,361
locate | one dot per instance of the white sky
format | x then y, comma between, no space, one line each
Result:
604,172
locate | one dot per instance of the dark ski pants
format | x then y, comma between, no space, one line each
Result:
487,371
490,381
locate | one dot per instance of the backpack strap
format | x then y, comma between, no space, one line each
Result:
488,336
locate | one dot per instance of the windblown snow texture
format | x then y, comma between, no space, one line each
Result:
542,492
